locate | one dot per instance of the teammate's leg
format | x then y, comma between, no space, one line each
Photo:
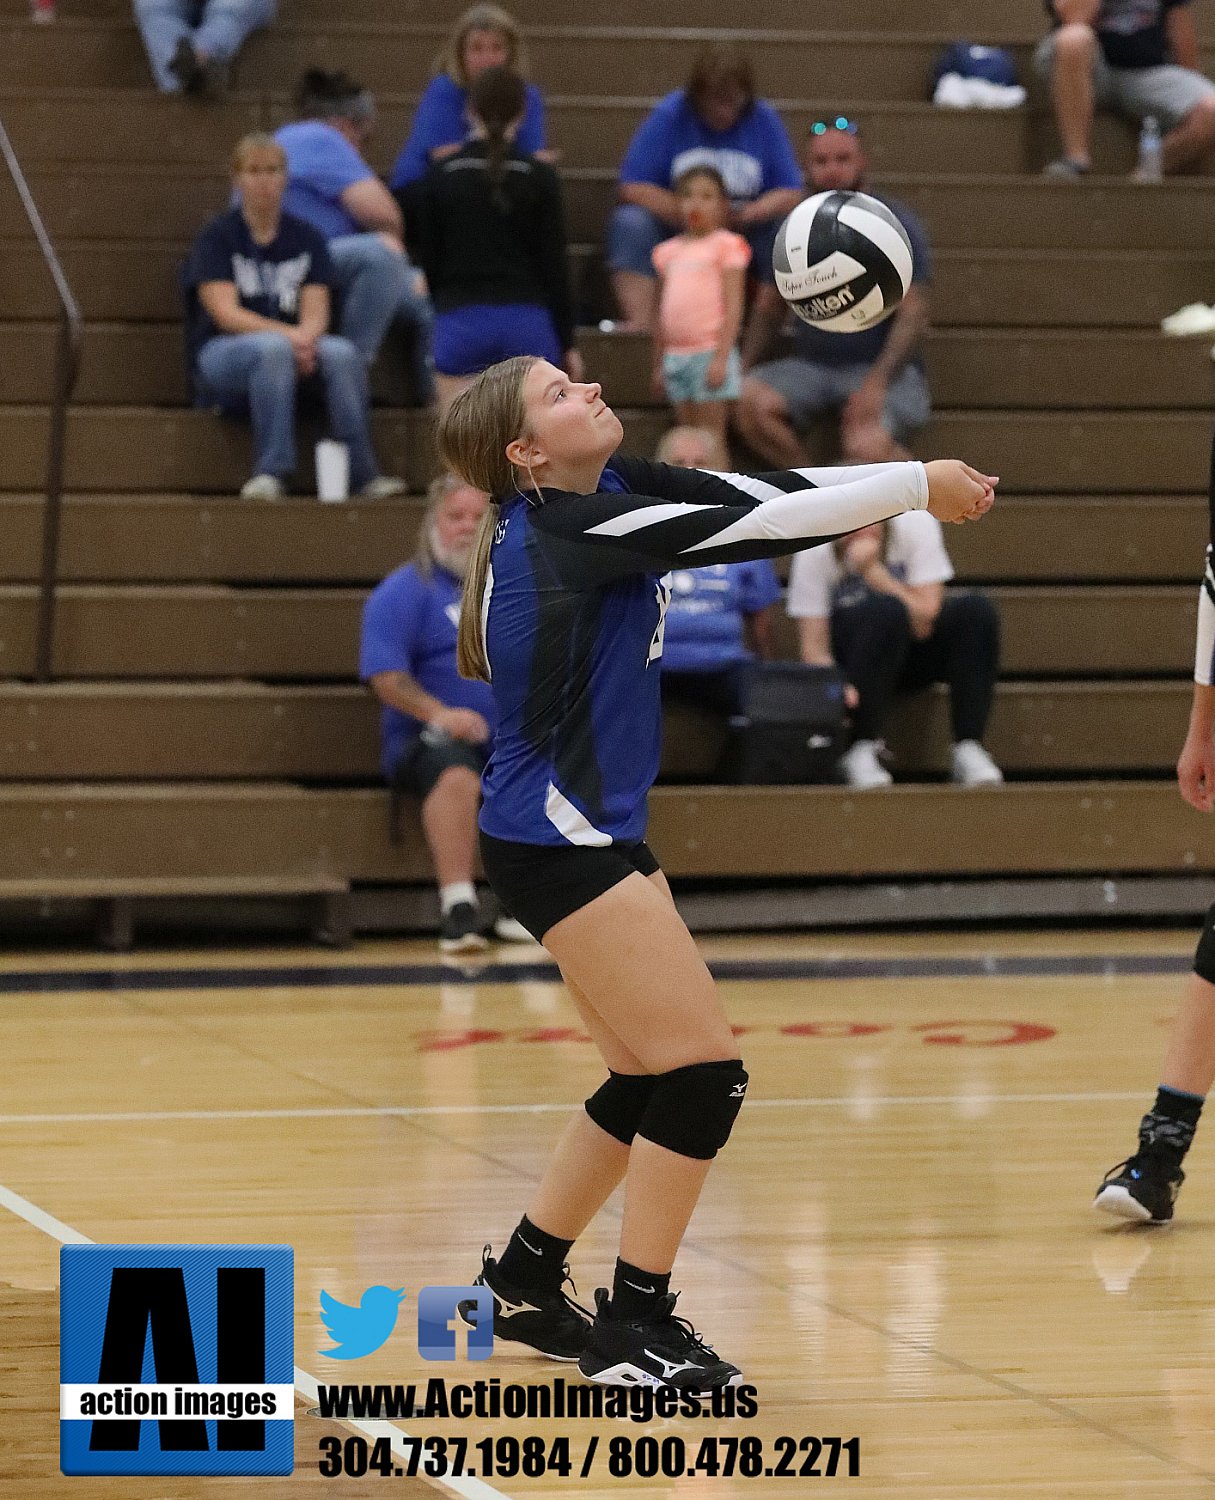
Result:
1144,1187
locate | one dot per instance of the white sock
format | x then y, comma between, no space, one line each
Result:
451,895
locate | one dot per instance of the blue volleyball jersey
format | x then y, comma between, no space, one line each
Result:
573,611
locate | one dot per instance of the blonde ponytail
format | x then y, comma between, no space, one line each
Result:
470,639
473,436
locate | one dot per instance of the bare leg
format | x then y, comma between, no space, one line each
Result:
1189,1063
634,960
449,823
1072,89
637,298
1187,143
763,420
588,1164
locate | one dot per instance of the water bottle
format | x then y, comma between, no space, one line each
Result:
1151,156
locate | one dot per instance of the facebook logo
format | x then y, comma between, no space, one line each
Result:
441,1309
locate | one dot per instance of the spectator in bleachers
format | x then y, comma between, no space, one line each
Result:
719,619
703,274
191,43
874,379
259,284
1136,57
874,604
484,37
487,225
714,120
331,186
436,725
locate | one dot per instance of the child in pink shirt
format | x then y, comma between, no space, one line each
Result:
703,274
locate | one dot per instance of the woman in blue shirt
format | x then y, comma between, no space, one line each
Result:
714,120
563,613
484,37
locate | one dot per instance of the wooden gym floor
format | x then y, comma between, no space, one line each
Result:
897,1245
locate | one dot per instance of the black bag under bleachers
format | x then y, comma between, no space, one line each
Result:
792,727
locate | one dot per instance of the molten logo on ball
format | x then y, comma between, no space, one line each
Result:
827,307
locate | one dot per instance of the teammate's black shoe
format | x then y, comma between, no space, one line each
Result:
662,1351
550,1322
461,930
1142,1188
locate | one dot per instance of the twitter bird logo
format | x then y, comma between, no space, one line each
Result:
360,1330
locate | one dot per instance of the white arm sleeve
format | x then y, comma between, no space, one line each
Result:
835,506
1204,648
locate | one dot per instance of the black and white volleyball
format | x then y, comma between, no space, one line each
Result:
842,261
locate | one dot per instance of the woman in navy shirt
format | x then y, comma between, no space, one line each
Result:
563,613
714,120
258,284
484,37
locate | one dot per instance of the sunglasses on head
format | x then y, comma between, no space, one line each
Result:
840,122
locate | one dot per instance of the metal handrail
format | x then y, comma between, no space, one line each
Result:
67,367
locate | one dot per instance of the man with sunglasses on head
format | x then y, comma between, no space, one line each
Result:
874,380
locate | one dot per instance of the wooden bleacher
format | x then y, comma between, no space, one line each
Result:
206,734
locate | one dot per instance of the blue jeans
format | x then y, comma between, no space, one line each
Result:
633,232
375,286
217,28
256,373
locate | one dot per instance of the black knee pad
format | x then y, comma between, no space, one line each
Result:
693,1109
618,1106
1204,957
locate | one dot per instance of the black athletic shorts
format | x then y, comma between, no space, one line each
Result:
539,884
425,761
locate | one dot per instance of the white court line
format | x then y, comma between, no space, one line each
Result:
411,1111
307,1385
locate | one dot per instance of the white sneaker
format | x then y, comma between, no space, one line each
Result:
507,930
861,768
1194,317
970,765
382,487
263,487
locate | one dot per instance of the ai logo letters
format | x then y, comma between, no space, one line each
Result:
177,1359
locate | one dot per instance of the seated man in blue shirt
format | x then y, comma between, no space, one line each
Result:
331,186
436,725
720,617
874,380
717,121
258,300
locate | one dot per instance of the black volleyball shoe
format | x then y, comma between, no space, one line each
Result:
552,1323
664,1351
1143,1188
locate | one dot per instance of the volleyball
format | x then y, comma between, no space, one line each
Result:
842,261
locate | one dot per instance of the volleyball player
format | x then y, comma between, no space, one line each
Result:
563,612
1145,1186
